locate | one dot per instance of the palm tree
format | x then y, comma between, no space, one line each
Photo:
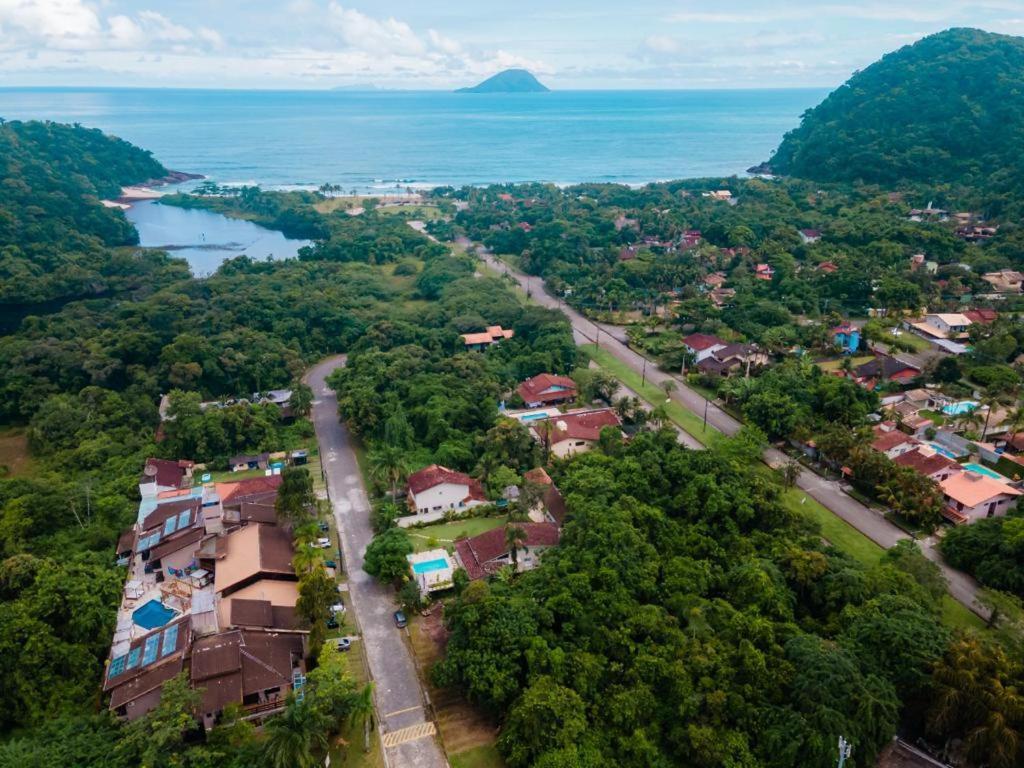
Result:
514,538
389,465
297,737
362,712
306,559
989,403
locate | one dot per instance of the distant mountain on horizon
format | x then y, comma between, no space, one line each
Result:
509,81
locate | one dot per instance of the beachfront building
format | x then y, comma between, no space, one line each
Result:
488,553
436,490
973,496
494,334
575,432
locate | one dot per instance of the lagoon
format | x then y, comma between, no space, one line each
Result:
206,239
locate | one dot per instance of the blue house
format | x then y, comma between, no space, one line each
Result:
846,337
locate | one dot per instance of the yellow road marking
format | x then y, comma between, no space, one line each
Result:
405,735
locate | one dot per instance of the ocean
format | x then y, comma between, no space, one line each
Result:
376,142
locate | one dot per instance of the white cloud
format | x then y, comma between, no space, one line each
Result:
662,44
365,33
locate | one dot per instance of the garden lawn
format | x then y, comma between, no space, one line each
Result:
445,534
652,393
479,757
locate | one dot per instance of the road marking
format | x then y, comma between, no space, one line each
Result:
405,735
403,711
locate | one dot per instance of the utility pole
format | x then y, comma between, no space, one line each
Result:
705,415
845,748
643,376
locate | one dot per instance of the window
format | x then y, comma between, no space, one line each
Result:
116,666
149,653
183,518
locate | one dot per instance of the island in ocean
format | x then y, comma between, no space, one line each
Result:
508,81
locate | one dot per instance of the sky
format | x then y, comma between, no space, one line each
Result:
442,44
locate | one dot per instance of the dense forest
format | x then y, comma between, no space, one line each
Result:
948,109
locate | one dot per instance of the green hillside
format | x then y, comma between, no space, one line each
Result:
947,109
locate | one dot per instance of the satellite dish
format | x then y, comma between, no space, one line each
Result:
150,470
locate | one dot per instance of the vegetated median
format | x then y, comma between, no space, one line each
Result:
834,529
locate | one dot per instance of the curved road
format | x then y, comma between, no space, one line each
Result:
407,731
828,492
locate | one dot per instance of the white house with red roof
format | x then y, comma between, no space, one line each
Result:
547,389
892,442
703,345
435,490
972,496
575,432
764,271
488,553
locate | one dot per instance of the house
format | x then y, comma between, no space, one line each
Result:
981,316
715,280
732,357
720,297
719,194
628,252
703,345
929,214
245,462
576,431
138,670
1005,280
885,368
892,442
489,552
846,337
481,341
827,267
547,389
809,236
690,238
256,669
251,554
551,508
160,475
971,496
917,425
929,463
946,325
764,272
435,490
975,233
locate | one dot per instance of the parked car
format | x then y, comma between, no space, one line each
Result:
324,526
332,621
338,607
323,542
400,619
330,564
344,644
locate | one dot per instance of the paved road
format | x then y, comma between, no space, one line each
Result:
828,492
398,693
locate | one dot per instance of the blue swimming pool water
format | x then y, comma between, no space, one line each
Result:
944,451
983,470
533,417
152,615
956,409
430,565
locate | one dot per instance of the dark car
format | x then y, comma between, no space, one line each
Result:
400,619
332,621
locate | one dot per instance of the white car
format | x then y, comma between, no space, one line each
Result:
323,542
338,608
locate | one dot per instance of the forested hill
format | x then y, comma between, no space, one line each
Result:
53,228
947,109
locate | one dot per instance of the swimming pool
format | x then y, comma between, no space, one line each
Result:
957,409
983,470
533,416
941,450
152,615
428,566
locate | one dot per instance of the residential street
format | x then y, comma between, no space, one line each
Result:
408,733
827,492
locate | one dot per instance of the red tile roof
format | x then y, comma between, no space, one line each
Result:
889,440
534,390
983,316
581,425
478,553
924,464
435,475
701,341
252,487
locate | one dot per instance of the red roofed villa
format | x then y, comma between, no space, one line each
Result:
575,432
547,389
481,341
436,490
488,553
703,345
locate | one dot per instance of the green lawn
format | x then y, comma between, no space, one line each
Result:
835,365
652,393
447,533
479,757
936,416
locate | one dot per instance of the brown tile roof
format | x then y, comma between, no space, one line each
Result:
251,613
555,504
925,464
889,440
183,631
252,551
177,543
492,334
249,512
478,552
983,316
885,366
148,680
535,390
126,541
539,476
167,472
579,425
435,474
169,509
